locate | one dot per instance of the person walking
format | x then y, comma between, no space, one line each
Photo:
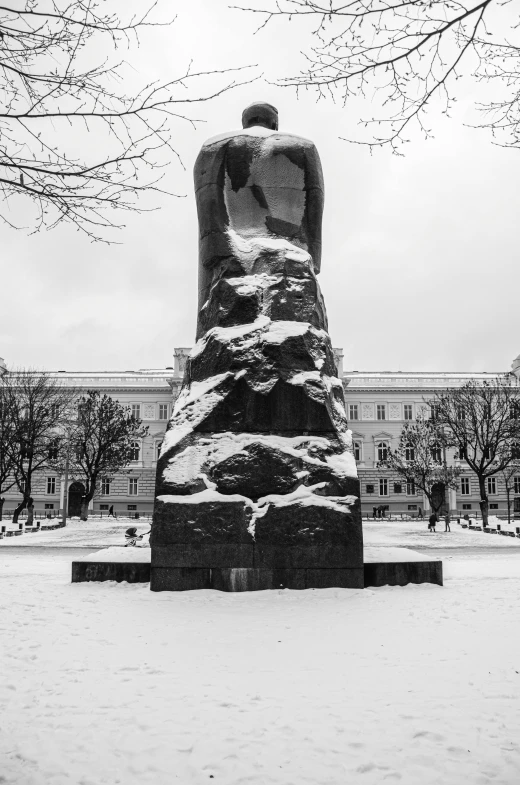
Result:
432,522
447,520
111,511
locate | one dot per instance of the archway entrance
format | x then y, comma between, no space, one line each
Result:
439,497
76,492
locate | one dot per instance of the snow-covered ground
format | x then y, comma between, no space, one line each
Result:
413,534
110,683
104,532
93,533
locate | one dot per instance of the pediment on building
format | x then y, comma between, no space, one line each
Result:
383,435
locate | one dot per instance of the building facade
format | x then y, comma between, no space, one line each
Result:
378,405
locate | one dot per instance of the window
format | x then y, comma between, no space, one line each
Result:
412,506
131,507
493,506
410,488
51,484
133,486
53,452
134,452
353,411
516,481
103,507
105,487
357,451
382,451
383,487
370,489
381,411
49,506
408,414
436,454
492,486
464,486
462,453
136,411
514,410
22,486
515,451
409,452
163,411
486,411
434,411
461,413
158,450
398,488
466,506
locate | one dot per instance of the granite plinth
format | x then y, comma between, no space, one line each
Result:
220,545
119,571
236,579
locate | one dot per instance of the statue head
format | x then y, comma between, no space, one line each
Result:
260,114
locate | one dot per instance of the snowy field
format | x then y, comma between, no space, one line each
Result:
109,683
95,532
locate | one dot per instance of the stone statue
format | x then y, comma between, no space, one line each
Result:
259,201
256,482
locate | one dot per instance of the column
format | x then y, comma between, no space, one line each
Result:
453,499
62,491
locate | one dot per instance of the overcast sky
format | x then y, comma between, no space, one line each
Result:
420,254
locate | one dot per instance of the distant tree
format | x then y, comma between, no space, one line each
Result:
508,475
101,443
484,420
7,453
73,139
419,459
407,58
36,405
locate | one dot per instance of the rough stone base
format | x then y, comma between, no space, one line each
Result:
252,579
402,573
297,546
132,572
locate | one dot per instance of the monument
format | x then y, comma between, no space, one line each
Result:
256,482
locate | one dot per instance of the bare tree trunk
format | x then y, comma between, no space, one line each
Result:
508,494
2,500
484,504
30,512
18,510
84,509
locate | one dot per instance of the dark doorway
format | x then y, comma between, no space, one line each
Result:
76,493
439,497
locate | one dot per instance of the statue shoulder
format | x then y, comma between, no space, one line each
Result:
239,133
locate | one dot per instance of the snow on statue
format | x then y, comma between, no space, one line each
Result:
256,483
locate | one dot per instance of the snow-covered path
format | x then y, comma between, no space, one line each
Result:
109,683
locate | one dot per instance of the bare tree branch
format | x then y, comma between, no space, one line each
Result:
407,57
61,79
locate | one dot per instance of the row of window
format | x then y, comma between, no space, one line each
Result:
163,411
382,449
133,486
465,487
381,411
398,487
